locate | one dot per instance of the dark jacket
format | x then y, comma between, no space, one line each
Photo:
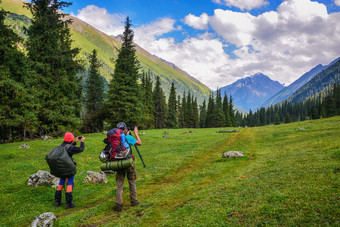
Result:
73,149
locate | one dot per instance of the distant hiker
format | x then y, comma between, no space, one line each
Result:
129,172
71,149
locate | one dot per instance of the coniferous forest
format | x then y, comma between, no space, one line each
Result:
42,91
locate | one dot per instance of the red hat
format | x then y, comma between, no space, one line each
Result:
69,137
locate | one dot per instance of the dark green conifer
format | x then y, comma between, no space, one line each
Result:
49,49
17,114
124,96
160,105
94,97
171,120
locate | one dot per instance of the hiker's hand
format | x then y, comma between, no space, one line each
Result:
83,139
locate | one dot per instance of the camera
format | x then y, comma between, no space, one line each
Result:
79,137
131,128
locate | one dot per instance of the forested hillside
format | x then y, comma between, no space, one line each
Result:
320,83
88,38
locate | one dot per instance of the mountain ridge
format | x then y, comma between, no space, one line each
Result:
250,92
88,38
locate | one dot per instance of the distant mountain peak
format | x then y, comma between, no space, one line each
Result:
250,92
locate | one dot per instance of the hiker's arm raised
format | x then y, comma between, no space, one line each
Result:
139,142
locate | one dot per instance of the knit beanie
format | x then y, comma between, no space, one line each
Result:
69,137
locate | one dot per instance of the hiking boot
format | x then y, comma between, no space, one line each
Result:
118,208
69,200
134,203
57,198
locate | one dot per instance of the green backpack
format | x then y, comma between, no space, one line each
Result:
60,163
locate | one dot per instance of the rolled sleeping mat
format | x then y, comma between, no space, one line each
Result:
117,165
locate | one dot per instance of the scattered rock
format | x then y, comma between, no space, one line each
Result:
45,219
233,154
336,170
226,131
165,132
43,178
143,133
46,137
165,136
24,146
95,177
309,124
187,132
302,128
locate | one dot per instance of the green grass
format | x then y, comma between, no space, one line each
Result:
286,178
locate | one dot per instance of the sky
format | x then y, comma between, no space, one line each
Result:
221,41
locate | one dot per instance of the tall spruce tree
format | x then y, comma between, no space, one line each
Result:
203,114
94,97
180,112
160,105
49,49
124,95
219,115
17,113
171,120
210,112
226,110
149,107
231,111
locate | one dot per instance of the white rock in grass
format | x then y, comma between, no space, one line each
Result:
95,177
233,154
24,146
45,219
42,178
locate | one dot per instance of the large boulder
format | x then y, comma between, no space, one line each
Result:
233,154
45,219
95,177
43,178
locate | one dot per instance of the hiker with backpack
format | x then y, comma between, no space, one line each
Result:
62,165
130,172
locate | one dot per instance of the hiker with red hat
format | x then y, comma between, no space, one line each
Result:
71,149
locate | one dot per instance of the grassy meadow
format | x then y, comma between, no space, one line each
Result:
287,177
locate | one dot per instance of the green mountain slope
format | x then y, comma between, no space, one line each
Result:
88,38
321,82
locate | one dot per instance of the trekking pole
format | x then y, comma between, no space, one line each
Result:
140,156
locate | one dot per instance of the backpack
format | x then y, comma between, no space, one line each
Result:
119,148
60,163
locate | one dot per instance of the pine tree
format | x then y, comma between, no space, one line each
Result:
180,112
196,114
226,110
203,114
17,113
149,107
210,112
160,105
171,121
330,106
231,111
219,115
124,95
49,49
94,97
277,120
184,111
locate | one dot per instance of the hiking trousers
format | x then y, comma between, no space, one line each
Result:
131,176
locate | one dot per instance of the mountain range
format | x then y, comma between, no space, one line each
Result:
248,93
251,92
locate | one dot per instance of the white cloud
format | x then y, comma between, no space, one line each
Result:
283,44
243,4
200,22
111,24
337,2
